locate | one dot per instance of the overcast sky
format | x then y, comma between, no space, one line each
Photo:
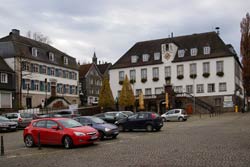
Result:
111,27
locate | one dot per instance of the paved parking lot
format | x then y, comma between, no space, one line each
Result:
219,141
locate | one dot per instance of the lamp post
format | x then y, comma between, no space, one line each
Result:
194,94
46,88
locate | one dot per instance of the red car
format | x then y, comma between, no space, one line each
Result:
59,131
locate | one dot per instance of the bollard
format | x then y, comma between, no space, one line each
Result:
39,142
2,146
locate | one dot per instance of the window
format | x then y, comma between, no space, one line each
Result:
132,74
134,59
158,90
193,51
189,89
148,91
40,124
26,84
210,88
51,56
34,52
44,70
206,50
178,89
219,66
35,67
164,48
157,56
36,86
217,102
65,60
168,71
144,73
4,78
200,88
181,53
206,68
145,57
6,100
52,71
25,66
223,87
137,92
193,68
155,72
50,124
179,70
121,75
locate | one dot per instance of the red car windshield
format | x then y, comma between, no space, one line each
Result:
70,123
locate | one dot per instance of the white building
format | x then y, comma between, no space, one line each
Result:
200,65
42,71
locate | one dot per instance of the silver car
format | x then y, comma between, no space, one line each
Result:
7,125
175,115
22,119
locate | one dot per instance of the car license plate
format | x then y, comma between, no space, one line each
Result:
12,127
93,137
116,132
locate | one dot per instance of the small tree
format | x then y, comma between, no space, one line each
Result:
127,98
245,52
106,99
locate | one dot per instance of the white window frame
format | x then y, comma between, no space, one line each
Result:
168,71
206,50
178,89
34,51
193,69
193,51
4,78
219,66
210,87
148,91
200,88
157,56
134,59
181,53
36,86
155,72
189,89
180,70
132,74
158,90
144,73
206,67
121,75
66,60
222,87
145,57
51,56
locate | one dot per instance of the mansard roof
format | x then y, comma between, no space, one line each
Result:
15,45
104,67
187,42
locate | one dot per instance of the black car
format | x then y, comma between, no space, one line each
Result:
112,116
105,129
141,120
7,125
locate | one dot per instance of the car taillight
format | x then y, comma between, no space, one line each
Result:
20,120
153,116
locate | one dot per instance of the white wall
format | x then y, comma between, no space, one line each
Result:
213,78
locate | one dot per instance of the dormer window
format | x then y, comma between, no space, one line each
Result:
134,59
164,48
51,56
145,57
34,52
65,60
193,51
157,56
206,50
181,53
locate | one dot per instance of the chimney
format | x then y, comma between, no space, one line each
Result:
15,32
217,30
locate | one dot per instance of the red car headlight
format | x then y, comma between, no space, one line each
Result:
79,134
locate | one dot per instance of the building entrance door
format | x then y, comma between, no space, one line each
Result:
28,102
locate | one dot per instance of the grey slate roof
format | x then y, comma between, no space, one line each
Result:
17,45
218,49
4,67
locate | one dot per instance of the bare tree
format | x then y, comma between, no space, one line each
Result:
38,37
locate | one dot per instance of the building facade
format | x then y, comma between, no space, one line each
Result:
42,71
199,66
90,78
7,86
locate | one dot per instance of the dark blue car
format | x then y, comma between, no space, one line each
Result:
105,129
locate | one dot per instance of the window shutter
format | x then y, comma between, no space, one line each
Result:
40,69
32,85
48,86
23,83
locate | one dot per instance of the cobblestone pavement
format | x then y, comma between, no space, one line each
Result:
220,141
